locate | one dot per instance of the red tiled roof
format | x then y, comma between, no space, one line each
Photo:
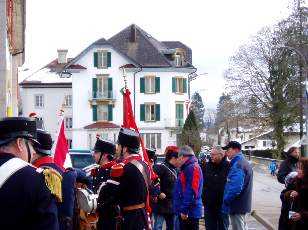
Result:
54,65
102,125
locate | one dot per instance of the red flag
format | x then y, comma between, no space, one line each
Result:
61,147
129,122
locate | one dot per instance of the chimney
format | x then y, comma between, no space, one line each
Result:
133,33
62,59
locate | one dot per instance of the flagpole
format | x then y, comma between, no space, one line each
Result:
61,117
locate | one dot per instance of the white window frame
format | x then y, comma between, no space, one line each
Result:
178,60
102,59
179,85
149,114
68,122
102,112
68,100
149,84
102,86
149,138
40,102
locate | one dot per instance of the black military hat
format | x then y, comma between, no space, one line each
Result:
17,127
45,142
104,146
129,138
151,153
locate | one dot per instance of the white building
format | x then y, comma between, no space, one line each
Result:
157,75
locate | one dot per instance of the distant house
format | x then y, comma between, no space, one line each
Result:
157,74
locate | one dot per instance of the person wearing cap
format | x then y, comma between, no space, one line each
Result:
187,201
132,195
151,155
215,173
104,151
43,159
163,208
25,198
238,189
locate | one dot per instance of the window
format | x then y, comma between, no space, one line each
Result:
149,84
152,140
179,85
68,101
39,101
150,112
69,143
178,60
68,122
102,58
179,115
102,112
102,86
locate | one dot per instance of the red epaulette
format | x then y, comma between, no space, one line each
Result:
117,170
108,165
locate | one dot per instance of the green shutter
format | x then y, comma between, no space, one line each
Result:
142,85
94,87
109,59
142,112
94,112
95,59
173,85
109,87
185,85
157,85
157,112
109,112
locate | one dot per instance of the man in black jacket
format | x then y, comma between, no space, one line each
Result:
215,173
163,208
289,164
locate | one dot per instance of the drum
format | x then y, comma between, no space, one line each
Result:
87,200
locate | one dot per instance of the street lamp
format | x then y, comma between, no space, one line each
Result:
191,77
304,139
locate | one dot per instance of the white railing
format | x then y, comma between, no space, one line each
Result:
106,95
174,122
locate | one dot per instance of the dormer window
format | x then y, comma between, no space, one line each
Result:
178,60
102,59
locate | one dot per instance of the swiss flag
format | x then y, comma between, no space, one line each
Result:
61,149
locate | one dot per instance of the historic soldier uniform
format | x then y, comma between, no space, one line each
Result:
102,173
26,201
45,161
132,195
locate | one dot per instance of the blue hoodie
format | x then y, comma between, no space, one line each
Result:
188,190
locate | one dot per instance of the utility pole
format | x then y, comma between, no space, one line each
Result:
3,58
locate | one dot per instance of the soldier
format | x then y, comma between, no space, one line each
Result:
104,156
42,159
26,201
132,194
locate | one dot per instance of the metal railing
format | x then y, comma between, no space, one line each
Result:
102,95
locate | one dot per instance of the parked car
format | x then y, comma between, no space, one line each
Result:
79,159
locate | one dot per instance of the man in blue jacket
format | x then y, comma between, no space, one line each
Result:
187,198
238,189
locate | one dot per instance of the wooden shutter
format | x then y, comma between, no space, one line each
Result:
157,112
157,84
94,112
142,112
95,54
94,87
142,86
109,87
185,85
173,85
109,59
110,113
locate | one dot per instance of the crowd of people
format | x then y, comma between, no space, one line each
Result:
125,192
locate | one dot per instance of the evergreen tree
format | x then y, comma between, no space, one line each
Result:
190,133
198,107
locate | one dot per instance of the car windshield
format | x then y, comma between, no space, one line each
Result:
82,160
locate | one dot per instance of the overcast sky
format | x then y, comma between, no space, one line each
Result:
213,29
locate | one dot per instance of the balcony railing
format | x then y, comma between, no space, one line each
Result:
102,95
174,122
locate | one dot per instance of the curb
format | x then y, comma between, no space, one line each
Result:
262,220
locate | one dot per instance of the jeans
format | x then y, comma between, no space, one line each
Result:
159,221
189,224
238,221
216,220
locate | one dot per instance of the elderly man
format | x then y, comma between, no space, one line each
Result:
188,190
238,189
215,174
